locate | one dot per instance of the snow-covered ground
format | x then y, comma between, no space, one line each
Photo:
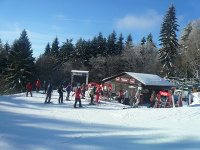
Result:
26,123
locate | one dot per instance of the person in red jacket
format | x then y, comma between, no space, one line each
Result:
38,85
77,97
28,89
110,88
83,88
97,95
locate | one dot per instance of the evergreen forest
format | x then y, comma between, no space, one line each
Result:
102,56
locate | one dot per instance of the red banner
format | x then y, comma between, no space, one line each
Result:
132,81
117,79
106,84
164,93
125,80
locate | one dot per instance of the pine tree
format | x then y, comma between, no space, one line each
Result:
87,54
187,30
1,45
149,38
66,50
3,57
150,44
7,48
82,51
94,49
55,47
105,51
143,41
3,66
47,50
120,45
129,42
101,45
21,64
169,41
111,43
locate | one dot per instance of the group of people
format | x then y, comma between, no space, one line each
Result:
95,91
78,93
125,98
29,87
48,91
61,90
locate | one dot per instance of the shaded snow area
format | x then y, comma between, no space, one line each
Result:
26,123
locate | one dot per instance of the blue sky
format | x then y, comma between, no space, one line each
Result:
72,19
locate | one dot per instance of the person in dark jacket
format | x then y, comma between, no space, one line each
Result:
49,91
45,87
120,96
68,89
126,98
60,91
29,89
153,100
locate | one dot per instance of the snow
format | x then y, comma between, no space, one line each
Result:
26,123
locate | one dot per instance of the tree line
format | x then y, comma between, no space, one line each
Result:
102,56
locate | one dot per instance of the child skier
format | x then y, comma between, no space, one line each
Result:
77,97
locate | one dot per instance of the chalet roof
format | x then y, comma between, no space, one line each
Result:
146,79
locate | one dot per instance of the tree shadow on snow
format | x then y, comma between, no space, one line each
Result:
23,130
195,105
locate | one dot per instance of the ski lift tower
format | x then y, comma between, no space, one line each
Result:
79,73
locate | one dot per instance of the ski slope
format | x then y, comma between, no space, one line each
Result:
26,123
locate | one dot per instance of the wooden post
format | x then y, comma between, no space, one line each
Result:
180,104
190,99
173,101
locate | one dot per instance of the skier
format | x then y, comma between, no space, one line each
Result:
97,95
73,86
83,88
68,89
120,96
153,99
110,88
28,89
49,91
60,91
92,96
77,97
126,97
37,85
137,97
45,87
